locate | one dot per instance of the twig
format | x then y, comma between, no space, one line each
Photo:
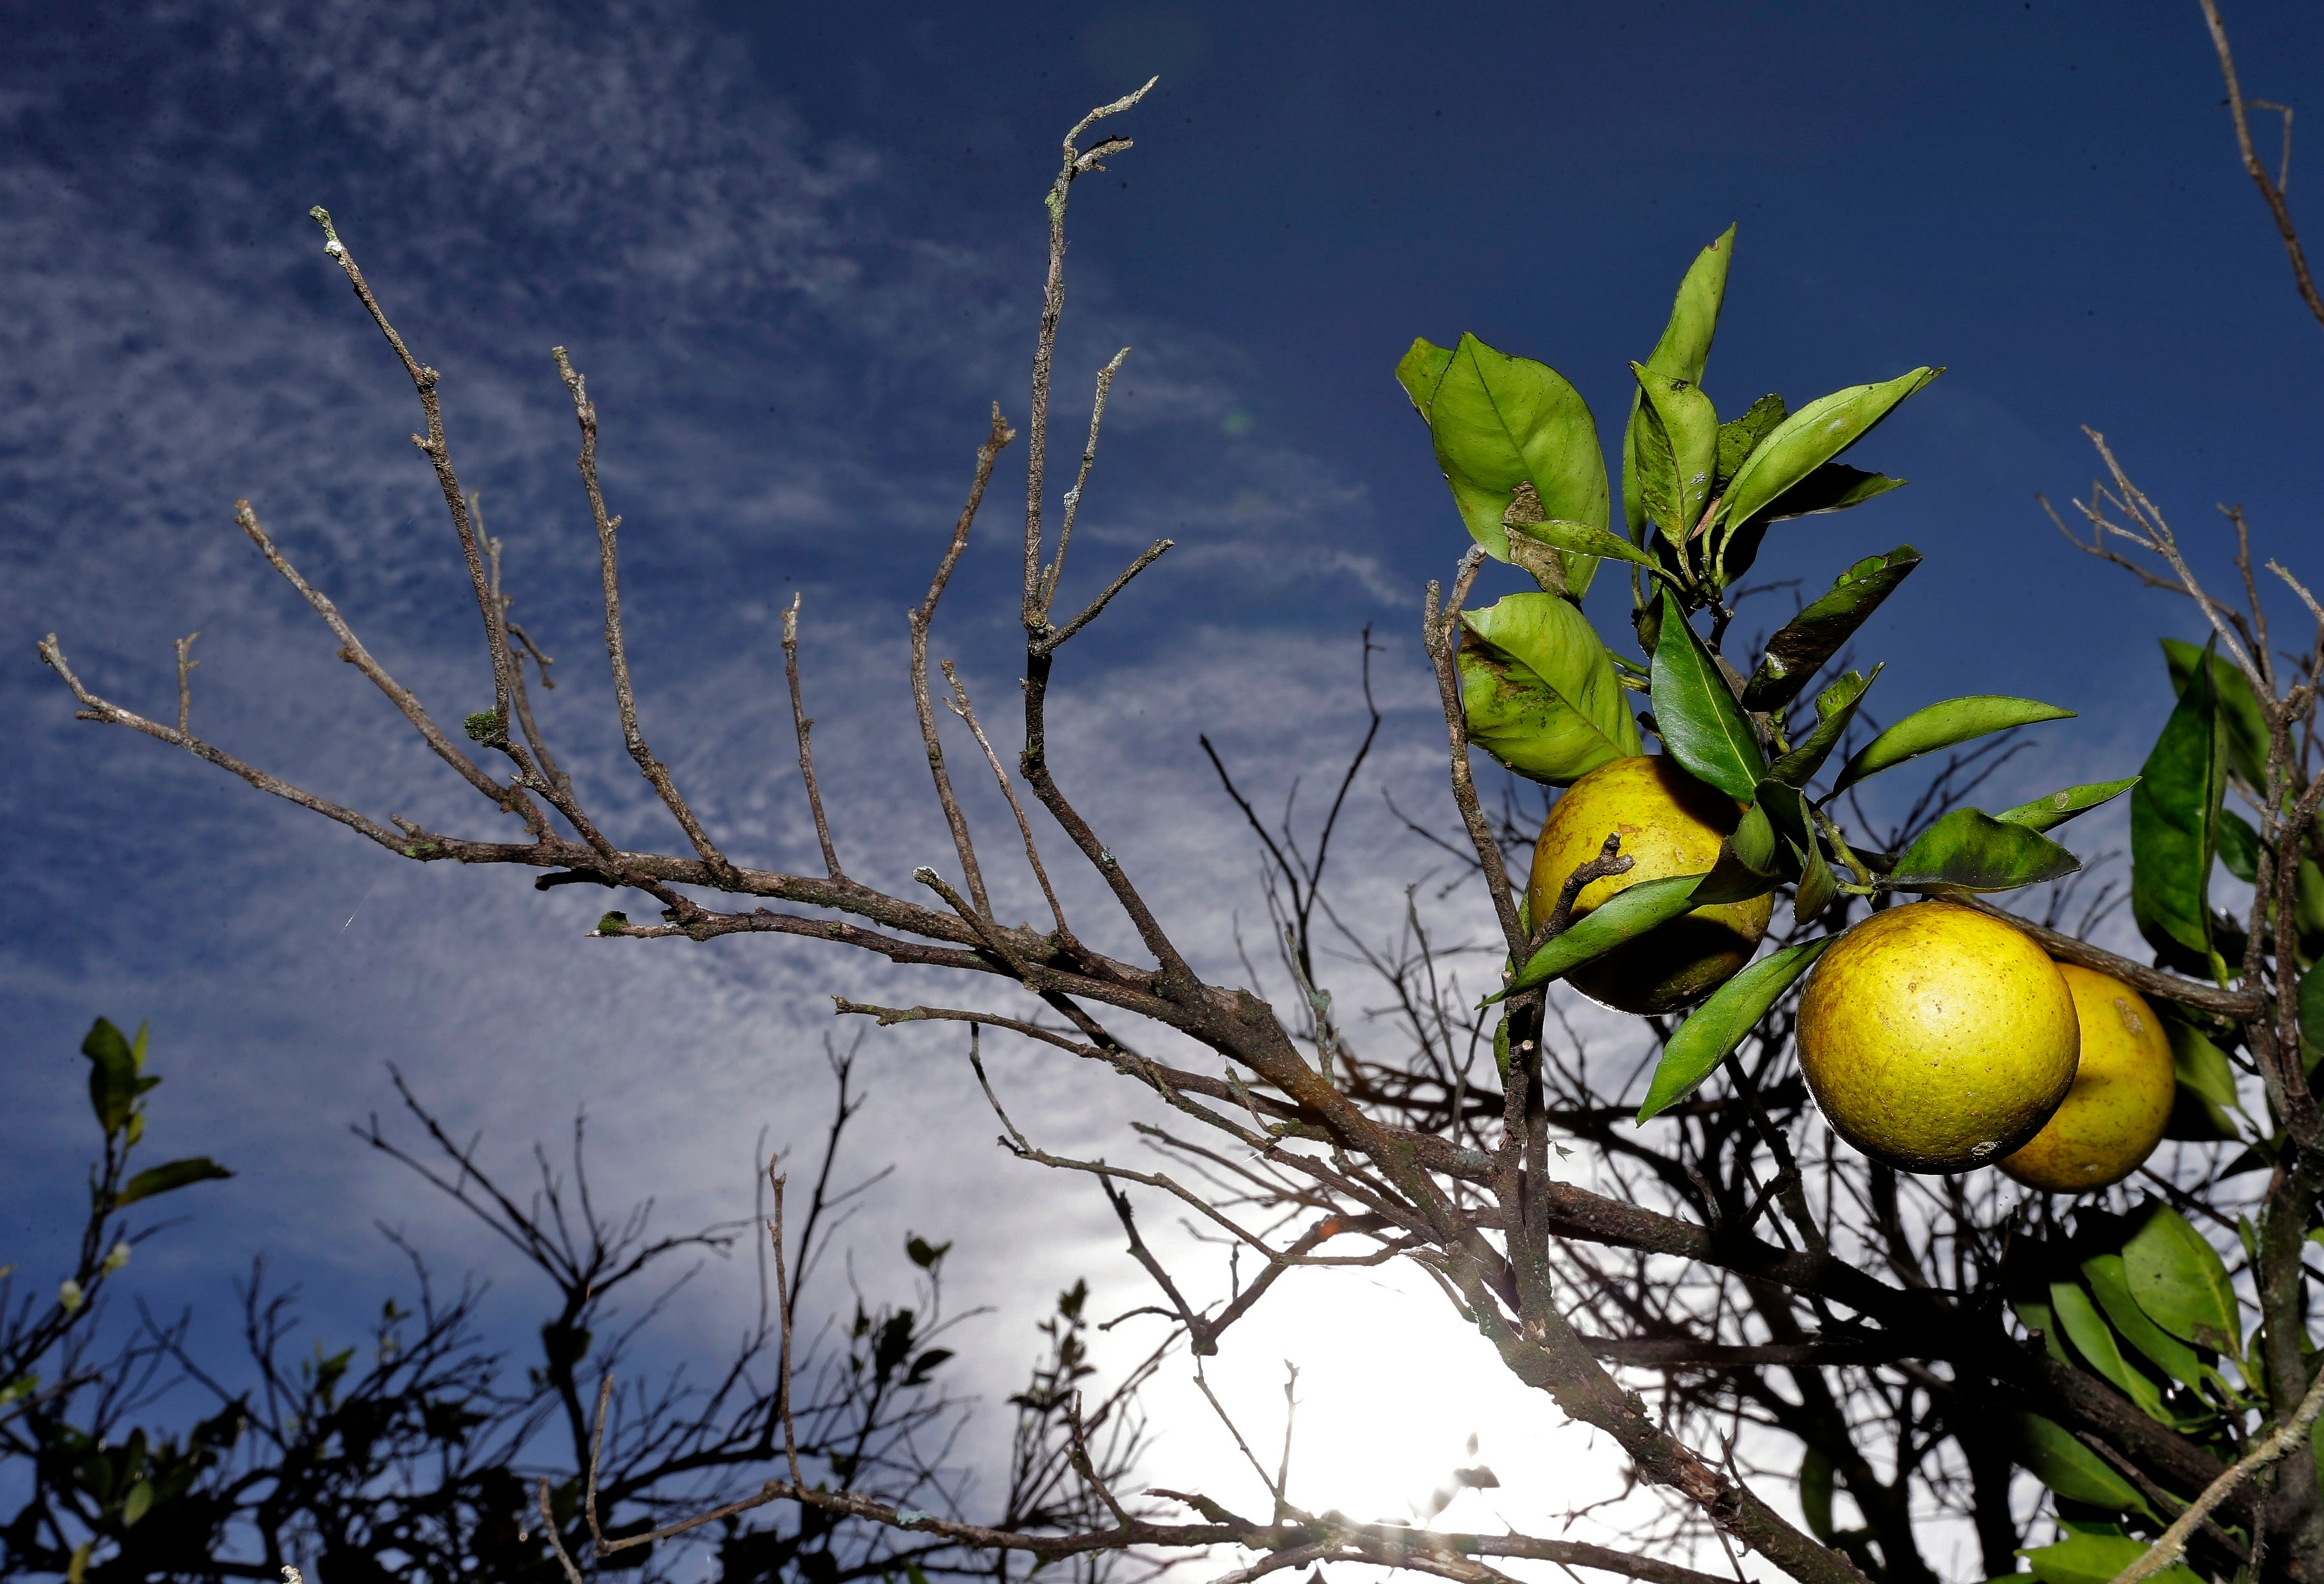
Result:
2272,190
919,618
803,725
1440,627
783,1313
185,664
556,1540
585,413
433,447
2172,1543
1050,641
1073,500
960,706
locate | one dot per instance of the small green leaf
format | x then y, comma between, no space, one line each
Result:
2179,1280
1500,421
1815,1493
137,1503
1835,708
1739,437
1677,451
113,1086
2110,1282
1970,851
1816,887
1801,646
2207,1085
923,1253
1701,723
1753,840
2093,1339
1812,436
1627,914
1721,1023
2311,1009
2246,725
1942,725
168,1178
2097,1558
2174,828
1833,487
1579,538
1421,370
1680,354
1539,691
2056,809
2049,1452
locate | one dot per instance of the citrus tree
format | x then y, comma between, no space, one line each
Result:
1889,1222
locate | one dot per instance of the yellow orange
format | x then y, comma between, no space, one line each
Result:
2114,1116
1671,823
1937,1038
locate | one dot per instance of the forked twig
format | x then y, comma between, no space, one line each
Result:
585,413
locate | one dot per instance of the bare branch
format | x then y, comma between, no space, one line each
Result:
585,413
919,618
802,725
2269,190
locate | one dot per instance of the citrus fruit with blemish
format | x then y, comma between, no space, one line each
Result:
1671,823
1936,1038
2114,1116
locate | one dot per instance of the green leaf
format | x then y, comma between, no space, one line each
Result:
1833,487
137,1503
1539,691
1812,436
2207,1085
2311,1009
1677,451
1816,887
1799,650
2049,1452
2174,827
1970,851
1740,436
1680,354
2178,1279
113,1087
2057,808
1500,421
2238,846
1835,708
168,1178
2093,1339
1421,370
2110,1282
1625,915
1942,725
1696,714
2097,1558
1579,538
1721,1024
1815,1493
2246,725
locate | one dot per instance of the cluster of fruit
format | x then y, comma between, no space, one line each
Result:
1935,1036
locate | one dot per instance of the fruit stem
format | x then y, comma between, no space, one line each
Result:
1830,829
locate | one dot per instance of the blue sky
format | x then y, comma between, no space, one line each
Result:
797,251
